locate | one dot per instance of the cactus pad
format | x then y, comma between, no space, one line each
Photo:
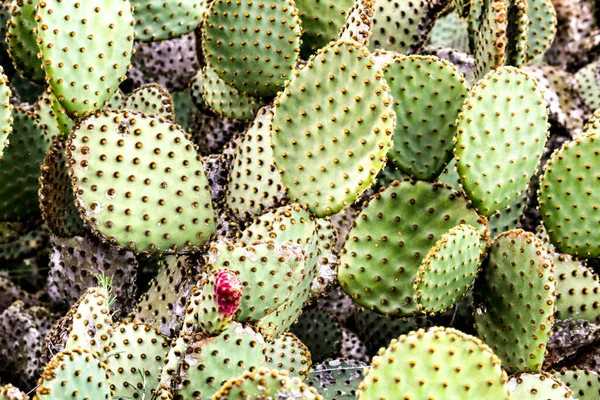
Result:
207,87
449,269
321,22
584,384
287,352
502,130
57,201
426,364
328,155
85,49
266,384
140,209
567,197
212,361
254,182
136,356
257,53
75,373
150,99
20,167
540,386
157,20
378,268
21,40
428,95
542,28
516,301
489,21
578,290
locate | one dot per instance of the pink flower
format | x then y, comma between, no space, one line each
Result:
228,291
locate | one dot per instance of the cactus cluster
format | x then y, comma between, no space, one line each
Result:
300,199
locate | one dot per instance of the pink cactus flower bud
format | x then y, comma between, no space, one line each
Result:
228,291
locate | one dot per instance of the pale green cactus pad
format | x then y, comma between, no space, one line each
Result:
330,136
515,301
567,197
542,386
85,49
502,130
139,182
444,363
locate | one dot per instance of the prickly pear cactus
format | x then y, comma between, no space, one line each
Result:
538,386
425,364
21,39
515,301
567,204
258,64
85,50
428,94
501,130
266,384
326,154
585,384
114,170
379,273
156,20
74,371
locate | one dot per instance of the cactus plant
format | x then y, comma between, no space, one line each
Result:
201,198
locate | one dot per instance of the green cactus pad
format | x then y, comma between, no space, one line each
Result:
438,363
56,198
502,130
254,182
52,115
150,99
286,352
269,272
378,268
321,331
183,108
584,384
287,313
428,95
542,28
321,22
135,359
337,379
449,269
20,167
489,44
85,49
289,223
516,33
328,257
403,25
158,20
221,98
567,197
588,85
6,110
91,325
74,374
9,392
266,384
450,31
312,126
359,22
164,303
164,207
515,301
212,361
116,101
578,290
540,386
257,53
21,40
